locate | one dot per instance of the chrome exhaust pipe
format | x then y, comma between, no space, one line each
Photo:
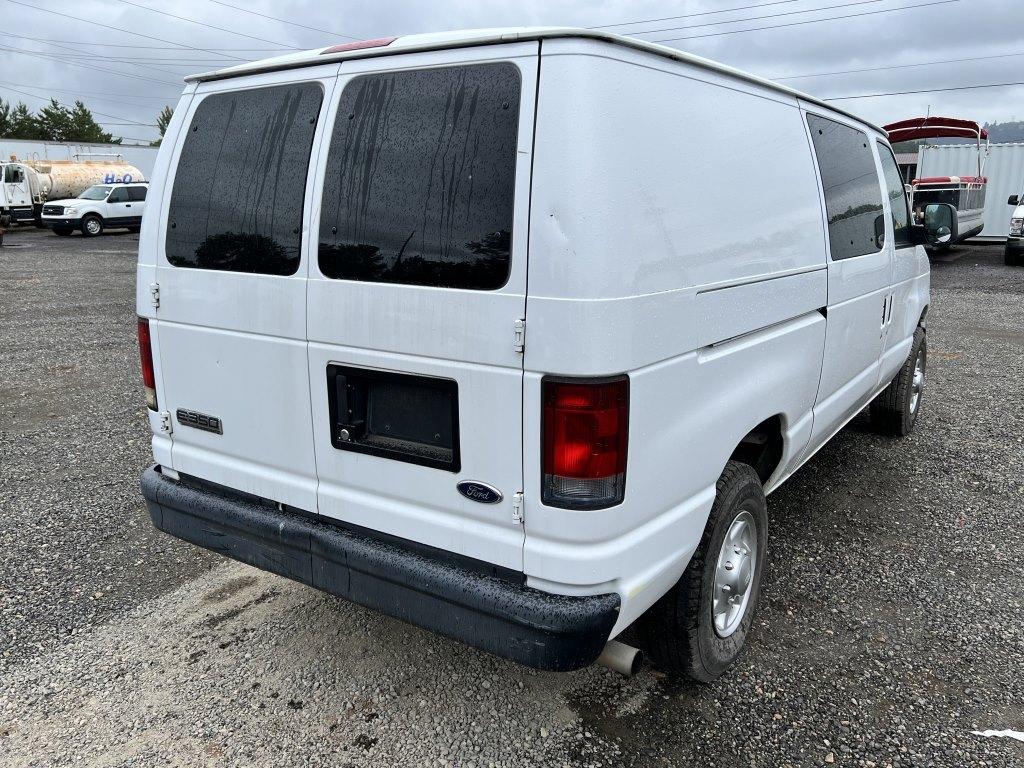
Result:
621,658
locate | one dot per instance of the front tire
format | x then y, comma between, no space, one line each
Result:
698,628
894,412
1013,258
92,225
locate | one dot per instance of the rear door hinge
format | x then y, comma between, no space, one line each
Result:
165,423
154,294
517,507
519,334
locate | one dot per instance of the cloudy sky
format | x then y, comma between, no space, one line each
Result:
125,59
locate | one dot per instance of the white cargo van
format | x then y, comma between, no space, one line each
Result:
466,328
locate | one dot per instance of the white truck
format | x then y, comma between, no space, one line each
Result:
464,327
100,207
28,184
1014,252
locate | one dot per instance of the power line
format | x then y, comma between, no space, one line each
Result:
58,59
303,26
685,15
924,90
896,66
200,23
756,18
89,93
799,23
92,96
68,106
123,45
79,53
120,29
179,62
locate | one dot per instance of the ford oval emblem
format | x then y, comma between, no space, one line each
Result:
475,491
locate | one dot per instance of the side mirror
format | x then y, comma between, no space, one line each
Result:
1013,200
940,223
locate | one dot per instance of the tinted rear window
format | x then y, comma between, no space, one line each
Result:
421,178
137,193
853,197
240,182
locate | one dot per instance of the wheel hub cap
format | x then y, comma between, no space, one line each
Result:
917,384
734,574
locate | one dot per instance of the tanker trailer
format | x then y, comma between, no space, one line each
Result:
42,180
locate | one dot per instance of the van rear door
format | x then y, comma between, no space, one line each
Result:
415,293
231,272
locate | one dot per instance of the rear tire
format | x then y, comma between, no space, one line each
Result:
698,628
92,225
894,412
62,231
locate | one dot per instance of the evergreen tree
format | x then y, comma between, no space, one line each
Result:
85,128
162,121
55,120
18,123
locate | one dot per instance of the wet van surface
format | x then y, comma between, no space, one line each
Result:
463,327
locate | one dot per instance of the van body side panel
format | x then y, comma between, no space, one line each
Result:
386,314
644,261
232,335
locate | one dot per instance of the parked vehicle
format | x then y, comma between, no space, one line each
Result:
551,375
1014,254
965,193
104,206
28,185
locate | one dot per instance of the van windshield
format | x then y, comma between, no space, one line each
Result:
95,193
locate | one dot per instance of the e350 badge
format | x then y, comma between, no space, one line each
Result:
201,421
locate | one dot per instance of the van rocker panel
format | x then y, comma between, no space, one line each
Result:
535,628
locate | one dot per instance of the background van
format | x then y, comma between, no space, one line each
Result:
464,328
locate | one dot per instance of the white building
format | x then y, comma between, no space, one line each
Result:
1004,169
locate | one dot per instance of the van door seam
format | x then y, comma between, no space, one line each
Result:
526,302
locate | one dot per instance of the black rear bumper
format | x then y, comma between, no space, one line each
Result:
538,629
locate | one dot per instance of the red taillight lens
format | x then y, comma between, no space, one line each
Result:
585,435
146,358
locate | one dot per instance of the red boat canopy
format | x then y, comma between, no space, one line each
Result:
934,128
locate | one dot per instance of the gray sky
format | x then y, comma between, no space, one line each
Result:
952,29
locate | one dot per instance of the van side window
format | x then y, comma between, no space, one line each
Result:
239,186
897,196
849,178
137,194
119,195
420,178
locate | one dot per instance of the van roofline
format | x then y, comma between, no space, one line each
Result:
469,38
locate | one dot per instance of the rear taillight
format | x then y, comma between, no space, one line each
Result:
146,357
585,435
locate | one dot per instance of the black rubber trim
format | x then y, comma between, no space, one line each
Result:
535,628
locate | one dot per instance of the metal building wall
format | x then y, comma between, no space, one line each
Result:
142,158
1004,169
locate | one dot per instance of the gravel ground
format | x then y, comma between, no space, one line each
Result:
891,625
